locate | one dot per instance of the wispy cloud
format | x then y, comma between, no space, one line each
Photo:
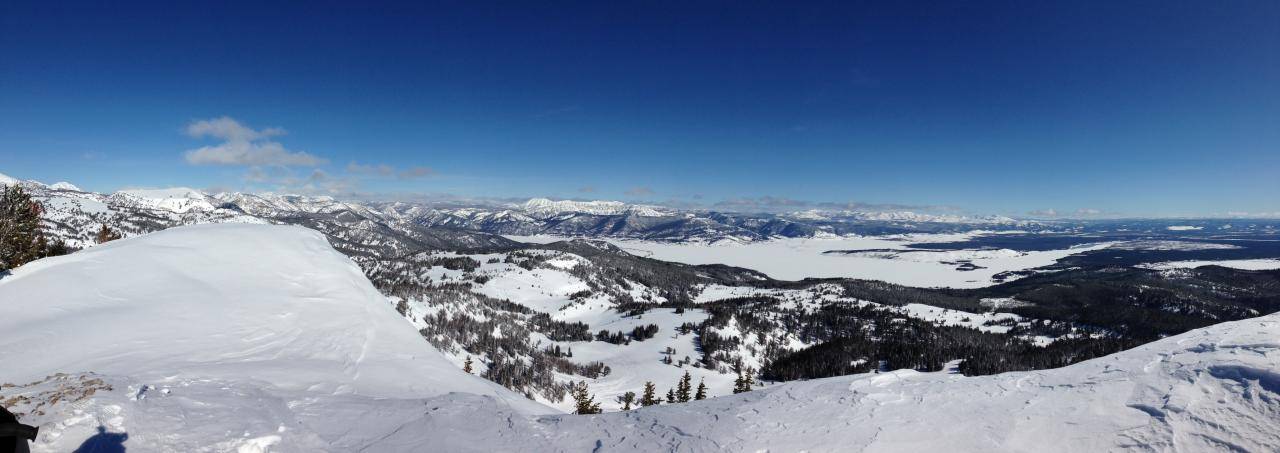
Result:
1043,213
387,171
416,173
243,146
370,169
1252,214
639,192
284,179
770,203
765,203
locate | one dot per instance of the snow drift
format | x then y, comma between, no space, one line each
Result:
254,338
271,307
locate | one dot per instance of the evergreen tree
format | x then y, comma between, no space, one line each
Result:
466,366
585,401
743,382
627,399
648,398
702,390
20,238
56,248
106,234
684,388
671,396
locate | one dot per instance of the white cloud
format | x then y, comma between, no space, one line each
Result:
286,180
386,171
416,172
769,203
1044,213
256,175
639,192
370,169
1253,214
229,129
242,145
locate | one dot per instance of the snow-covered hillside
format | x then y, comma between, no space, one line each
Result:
1214,389
554,289
263,338
177,199
253,319
74,216
542,207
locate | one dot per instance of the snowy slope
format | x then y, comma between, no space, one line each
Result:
542,207
256,338
272,312
549,290
177,199
1214,389
63,185
6,180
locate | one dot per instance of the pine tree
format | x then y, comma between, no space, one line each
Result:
20,238
106,234
702,390
671,396
466,366
627,399
684,387
585,401
743,382
56,248
648,398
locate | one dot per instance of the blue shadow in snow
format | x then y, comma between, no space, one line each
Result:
104,442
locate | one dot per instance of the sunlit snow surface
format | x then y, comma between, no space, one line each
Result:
1249,265
548,290
259,338
888,258
241,323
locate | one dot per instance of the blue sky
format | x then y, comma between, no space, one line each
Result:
1139,108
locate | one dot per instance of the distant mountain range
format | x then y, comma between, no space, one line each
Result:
75,213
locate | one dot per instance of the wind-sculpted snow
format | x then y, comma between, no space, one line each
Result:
270,314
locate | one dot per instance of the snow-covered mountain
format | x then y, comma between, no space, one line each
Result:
611,219
263,338
74,216
538,216
545,208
